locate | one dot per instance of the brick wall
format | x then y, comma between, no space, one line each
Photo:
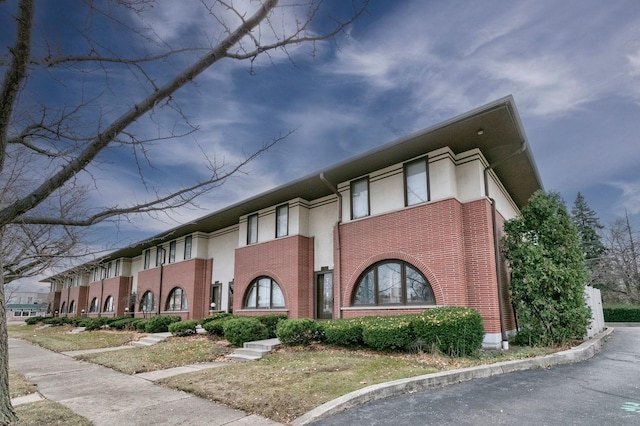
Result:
117,287
77,294
289,261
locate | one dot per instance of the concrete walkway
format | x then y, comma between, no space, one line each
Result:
107,397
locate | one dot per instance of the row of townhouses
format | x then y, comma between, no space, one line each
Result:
409,226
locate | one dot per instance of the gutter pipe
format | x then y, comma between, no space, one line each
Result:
336,271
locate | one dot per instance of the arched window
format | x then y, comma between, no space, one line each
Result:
264,293
94,305
393,282
108,304
147,304
72,307
177,300
63,309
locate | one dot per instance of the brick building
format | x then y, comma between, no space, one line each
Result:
409,226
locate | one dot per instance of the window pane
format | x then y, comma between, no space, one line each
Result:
187,247
147,259
365,293
252,229
118,267
389,283
251,297
360,198
282,221
416,176
264,297
172,251
277,299
418,290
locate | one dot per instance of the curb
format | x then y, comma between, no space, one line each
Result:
415,384
27,399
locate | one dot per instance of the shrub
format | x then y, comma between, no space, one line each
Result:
123,323
33,320
239,330
216,325
343,332
57,321
271,322
214,317
619,313
91,324
140,324
298,331
183,328
454,331
160,323
387,333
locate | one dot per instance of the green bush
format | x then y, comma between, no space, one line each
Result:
183,328
620,313
216,325
239,330
271,322
214,317
57,321
33,320
454,331
298,331
343,332
140,324
91,324
387,333
123,323
160,323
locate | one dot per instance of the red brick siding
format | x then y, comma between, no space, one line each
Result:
289,261
117,287
79,294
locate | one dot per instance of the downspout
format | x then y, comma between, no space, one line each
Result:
160,289
496,242
337,275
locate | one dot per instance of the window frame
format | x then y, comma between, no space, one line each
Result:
117,268
279,231
172,251
188,243
256,284
109,304
352,185
183,302
425,161
252,237
403,283
94,306
147,259
144,302
161,256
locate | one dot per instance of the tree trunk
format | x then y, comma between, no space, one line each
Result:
7,414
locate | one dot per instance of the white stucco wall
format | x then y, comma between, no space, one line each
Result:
323,216
470,175
222,249
442,175
386,190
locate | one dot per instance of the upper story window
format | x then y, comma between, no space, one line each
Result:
187,247
172,251
147,259
117,273
392,282
252,229
282,221
96,273
415,182
109,269
360,198
160,254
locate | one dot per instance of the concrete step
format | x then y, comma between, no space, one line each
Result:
239,357
266,345
77,330
151,339
252,351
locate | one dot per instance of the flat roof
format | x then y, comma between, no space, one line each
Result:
494,128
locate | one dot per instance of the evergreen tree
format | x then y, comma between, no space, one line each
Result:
548,272
587,223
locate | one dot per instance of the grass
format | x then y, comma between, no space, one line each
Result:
19,385
172,352
57,338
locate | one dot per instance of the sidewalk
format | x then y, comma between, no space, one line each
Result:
107,397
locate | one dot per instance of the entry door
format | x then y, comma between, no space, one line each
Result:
324,295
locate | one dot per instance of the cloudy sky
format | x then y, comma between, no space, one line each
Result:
573,67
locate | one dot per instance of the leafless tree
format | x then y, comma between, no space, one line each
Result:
618,274
70,108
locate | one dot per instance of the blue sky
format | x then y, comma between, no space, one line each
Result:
573,68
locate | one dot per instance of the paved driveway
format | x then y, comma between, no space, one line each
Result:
604,390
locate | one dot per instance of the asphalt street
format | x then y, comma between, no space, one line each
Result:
604,390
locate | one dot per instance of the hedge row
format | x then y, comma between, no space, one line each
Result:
621,313
454,331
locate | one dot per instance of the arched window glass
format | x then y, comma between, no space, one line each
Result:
177,300
264,293
393,282
63,309
72,307
147,304
94,305
108,304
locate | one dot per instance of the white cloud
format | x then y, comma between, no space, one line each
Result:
630,199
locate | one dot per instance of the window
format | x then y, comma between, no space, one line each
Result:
216,296
282,221
393,283
160,254
264,293
147,259
172,251
252,229
108,305
63,309
117,268
94,307
96,274
187,247
109,269
72,307
415,182
147,304
360,198
177,300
